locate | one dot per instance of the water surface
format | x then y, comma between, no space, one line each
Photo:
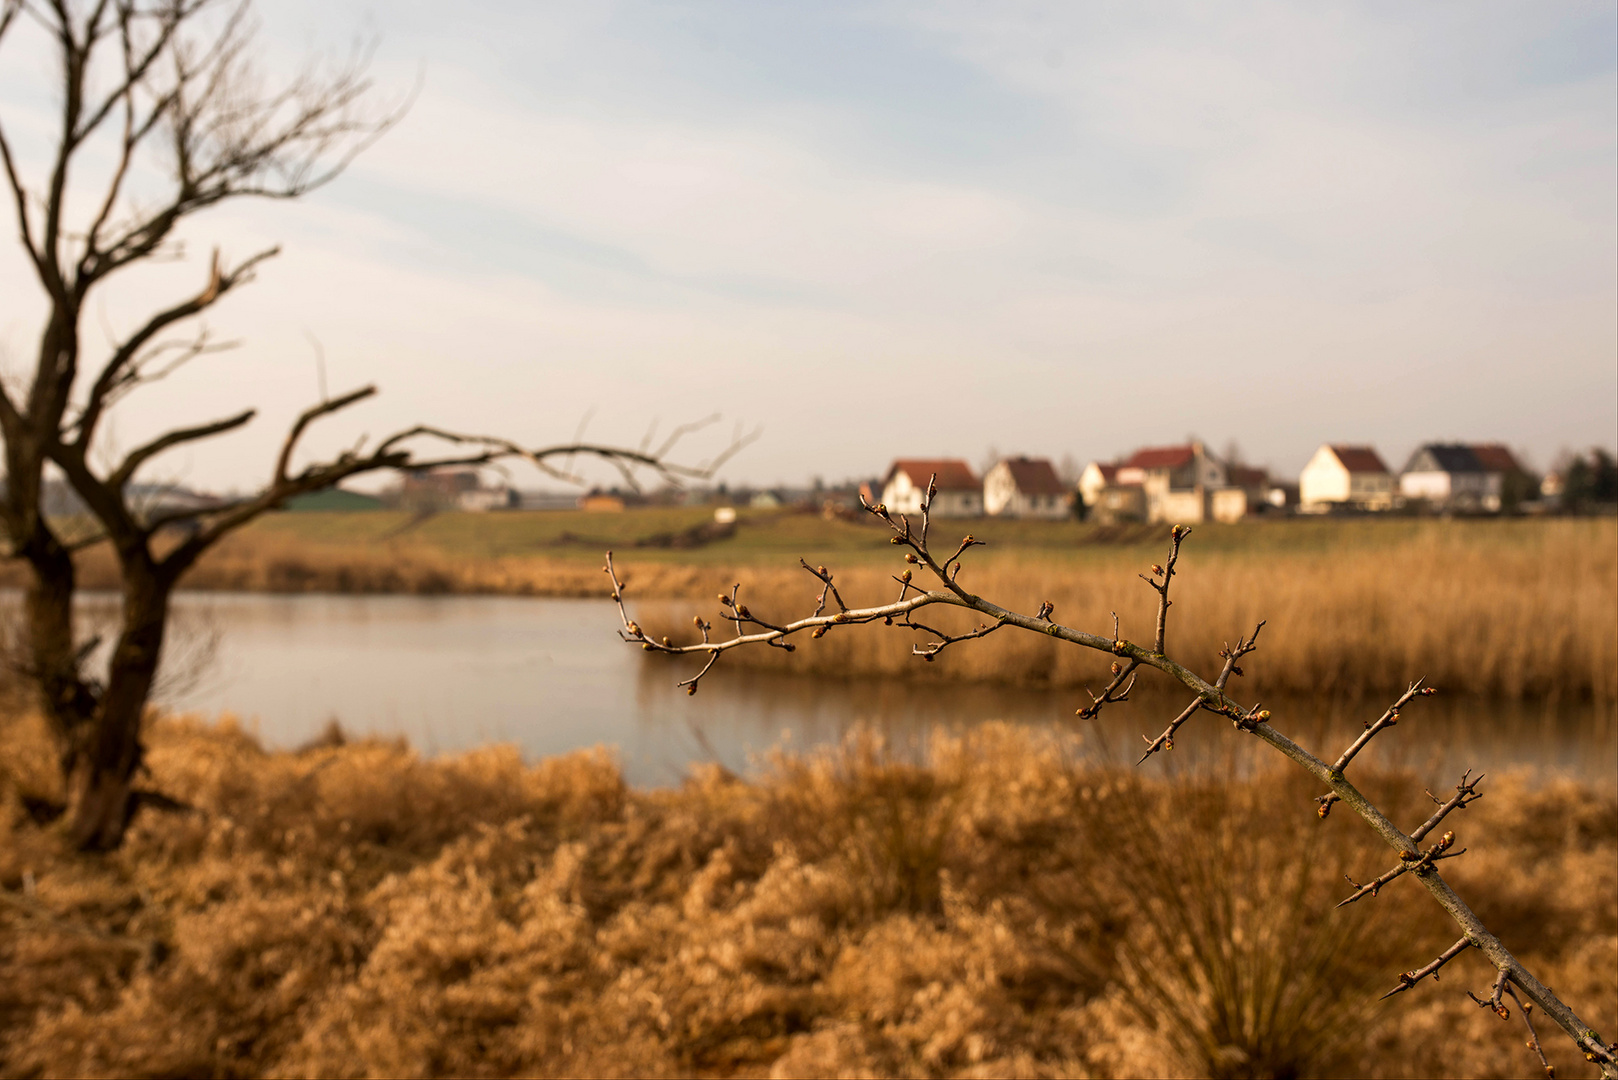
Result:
550,675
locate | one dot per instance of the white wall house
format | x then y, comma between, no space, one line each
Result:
960,494
1095,479
1451,476
1023,487
1341,475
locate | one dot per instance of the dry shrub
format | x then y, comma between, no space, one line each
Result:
998,909
1525,620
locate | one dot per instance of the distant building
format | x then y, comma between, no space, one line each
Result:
1340,475
1168,483
1023,487
597,502
1097,477
1461,477
456,487
959,492
1177,482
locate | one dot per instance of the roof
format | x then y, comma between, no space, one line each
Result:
1161,457
1494,457
1359,459
1034,476
953,473
1109,473
1444,457
1244,476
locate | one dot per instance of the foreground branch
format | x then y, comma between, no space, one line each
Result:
945,590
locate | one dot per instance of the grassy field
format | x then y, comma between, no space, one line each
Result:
356,910
1509,608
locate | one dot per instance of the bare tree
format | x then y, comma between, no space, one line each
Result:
944,589
163,91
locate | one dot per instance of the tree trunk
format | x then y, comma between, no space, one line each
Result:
101,775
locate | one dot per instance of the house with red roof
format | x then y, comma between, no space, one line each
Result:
1164,483
1022,487
1105,499
960,493
1347,476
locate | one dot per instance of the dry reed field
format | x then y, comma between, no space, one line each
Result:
1468,612
1512,609
356,910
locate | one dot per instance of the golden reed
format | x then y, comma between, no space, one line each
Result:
1536,619
1525,609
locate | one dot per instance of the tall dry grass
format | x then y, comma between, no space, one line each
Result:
355,910
1535,619
1503,609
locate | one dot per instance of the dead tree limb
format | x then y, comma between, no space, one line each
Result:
946,590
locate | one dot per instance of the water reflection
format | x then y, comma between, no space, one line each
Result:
449,673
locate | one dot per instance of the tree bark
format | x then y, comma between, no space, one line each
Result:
101,774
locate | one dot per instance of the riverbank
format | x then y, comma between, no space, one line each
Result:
353,909
1515,609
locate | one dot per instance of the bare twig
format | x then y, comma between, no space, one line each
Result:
1466,794
1387,720
1411,978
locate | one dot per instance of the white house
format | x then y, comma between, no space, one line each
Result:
1340,475
1458,477
1023,487
1096,478
959,492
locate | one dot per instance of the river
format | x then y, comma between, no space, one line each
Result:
449,673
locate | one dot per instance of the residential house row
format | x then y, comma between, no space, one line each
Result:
1188,483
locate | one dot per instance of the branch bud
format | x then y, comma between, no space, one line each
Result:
818,632
696,621
905,577
1117,667
691,691
910,557
724,601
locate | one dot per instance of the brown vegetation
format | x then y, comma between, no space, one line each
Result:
1002,910
1512,610
1510,621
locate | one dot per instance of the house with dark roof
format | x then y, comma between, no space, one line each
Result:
1347,476
960,493
1023,487
1461,477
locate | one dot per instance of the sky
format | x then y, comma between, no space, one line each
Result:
918,229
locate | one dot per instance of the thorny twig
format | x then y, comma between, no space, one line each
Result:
1411,978
1420,864
1387,720
1211,696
